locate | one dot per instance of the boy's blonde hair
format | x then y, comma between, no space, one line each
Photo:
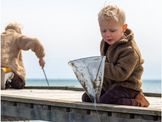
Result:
112,12
15,26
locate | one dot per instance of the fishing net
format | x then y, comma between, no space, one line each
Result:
89,72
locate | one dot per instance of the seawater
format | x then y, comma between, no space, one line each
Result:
148,85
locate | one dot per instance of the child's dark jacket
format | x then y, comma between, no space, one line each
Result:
123,66
12,44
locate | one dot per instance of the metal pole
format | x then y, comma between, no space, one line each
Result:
45,76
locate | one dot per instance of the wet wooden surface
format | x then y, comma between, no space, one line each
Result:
68,95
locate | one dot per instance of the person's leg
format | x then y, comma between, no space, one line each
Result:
85,97
16,82
127,101
121,96
6,75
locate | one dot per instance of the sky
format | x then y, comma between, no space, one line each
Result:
69,29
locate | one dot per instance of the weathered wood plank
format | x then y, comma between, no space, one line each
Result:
81,105
56,88
155,102
149,94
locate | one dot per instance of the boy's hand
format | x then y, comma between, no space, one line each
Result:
41,62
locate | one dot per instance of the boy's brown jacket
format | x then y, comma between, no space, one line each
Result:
12,44
123,66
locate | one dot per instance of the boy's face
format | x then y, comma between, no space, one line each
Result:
111,31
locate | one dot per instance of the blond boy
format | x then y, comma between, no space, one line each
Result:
12,68
122,83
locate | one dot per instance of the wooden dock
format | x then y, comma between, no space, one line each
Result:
63,104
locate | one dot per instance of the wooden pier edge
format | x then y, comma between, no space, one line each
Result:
149,94
43,109
19,107
69,111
